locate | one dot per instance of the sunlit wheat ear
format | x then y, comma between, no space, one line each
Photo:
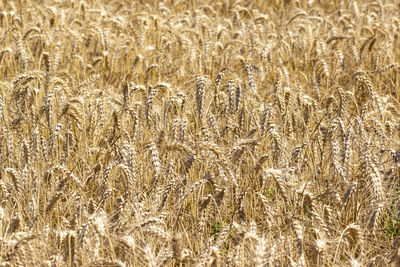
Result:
336,38
201,86
156,163
363,78
231,95
368,42
16,179
250,77
212,124
10,146
34,143
1,106
26,154
104,185
376,216
150,71
57,195
46,59
325,68
349,192
219,77
171,177
57,56
387,68
238,95
183,129
336,160
205,134
194,186
152,91
22,54
53,138
174,129
4,52
48,108
265,118
117,212
131,160
298,229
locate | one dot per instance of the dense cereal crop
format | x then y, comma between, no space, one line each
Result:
199,133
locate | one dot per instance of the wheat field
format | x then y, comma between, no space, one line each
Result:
199,133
